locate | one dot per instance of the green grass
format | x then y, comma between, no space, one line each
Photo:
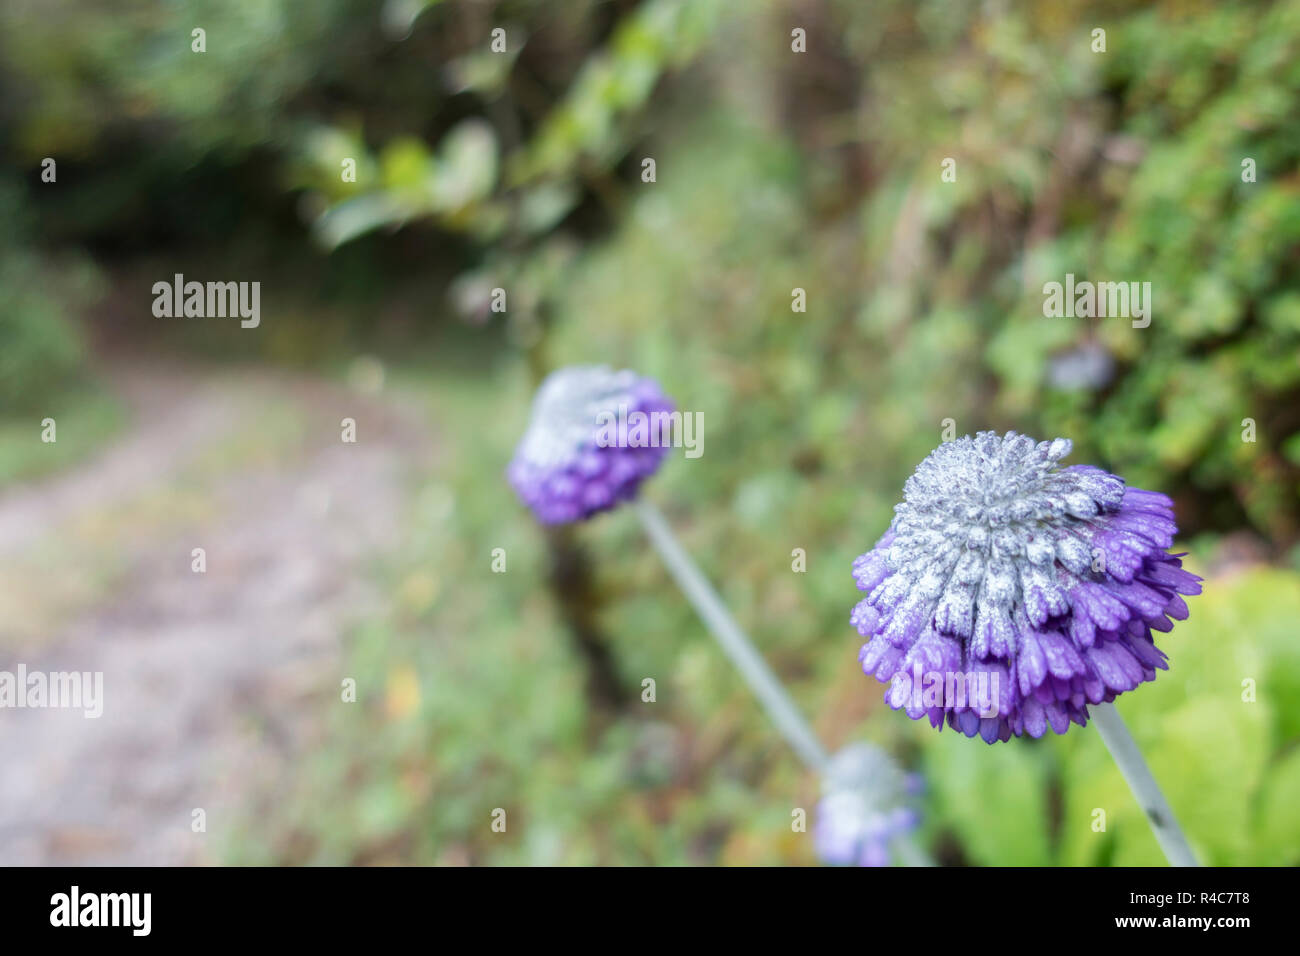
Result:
85,421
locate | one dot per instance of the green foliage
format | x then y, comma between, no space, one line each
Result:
85,417
996,799
451,184
85,67
40,350
583,136
1126,166
1223,750
1221,756
614,83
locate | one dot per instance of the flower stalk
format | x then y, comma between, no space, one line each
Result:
765,685
1124,749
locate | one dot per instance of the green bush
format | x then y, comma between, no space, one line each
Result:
41,346
1122,165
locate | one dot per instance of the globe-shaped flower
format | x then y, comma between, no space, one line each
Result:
595,435
1009,594
863,808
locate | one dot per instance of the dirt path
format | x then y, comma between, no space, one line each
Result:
214,684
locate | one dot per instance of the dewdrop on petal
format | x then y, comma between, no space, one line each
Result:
863,808
564,468
1009,572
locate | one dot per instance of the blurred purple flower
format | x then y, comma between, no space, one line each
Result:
1087,367
863,808
1038,584
570,463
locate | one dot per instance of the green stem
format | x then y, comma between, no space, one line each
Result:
1134,767
765,685
769,690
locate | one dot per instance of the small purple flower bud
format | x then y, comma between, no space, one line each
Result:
578,457
863,808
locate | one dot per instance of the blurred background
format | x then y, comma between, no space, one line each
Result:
523,171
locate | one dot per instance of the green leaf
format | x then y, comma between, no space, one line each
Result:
1277,828
994,797
354,217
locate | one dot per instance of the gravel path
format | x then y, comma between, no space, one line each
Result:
215,684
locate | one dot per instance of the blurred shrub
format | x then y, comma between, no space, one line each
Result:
1123,165
41,346
88,73
580,140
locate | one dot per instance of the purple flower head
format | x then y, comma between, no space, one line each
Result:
863,808
592,440
1009,594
